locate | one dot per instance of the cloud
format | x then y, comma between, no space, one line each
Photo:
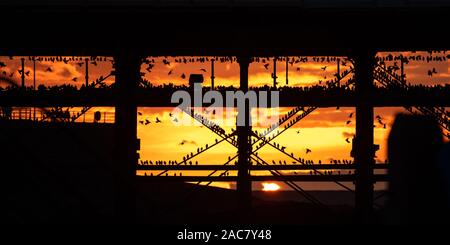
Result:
348,134
65,72
184,142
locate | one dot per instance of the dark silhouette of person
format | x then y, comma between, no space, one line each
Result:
444,167
417,193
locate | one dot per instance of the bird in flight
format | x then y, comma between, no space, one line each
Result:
157,120
183,76
348,122
203,70
170,114
147,121
2,64
347,140
266,66
141,122
431,72
308,151
74,79
170,72
139,113
49,69
323,68
298,131
298,68
27,73
351,115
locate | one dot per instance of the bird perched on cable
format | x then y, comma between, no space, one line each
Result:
266,66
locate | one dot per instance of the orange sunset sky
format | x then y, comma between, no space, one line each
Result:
324,131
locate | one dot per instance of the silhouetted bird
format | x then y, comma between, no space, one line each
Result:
141,122
298,68
139,113
175,120
183,76
74,79
348,122
4,73
298,131
323,68
170,72
94,63
49,69
347,140
27,73
2,64
147,122
80,64
308,150
266,66
283,148
351,115
203,70
157,120
431,72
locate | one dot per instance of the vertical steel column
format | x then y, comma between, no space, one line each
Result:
364,150
244,184
127,79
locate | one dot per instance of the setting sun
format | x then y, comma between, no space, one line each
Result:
270,187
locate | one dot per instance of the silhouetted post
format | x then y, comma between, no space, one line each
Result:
34,85
274,72
127,78
212,74
23,72
287,70
338,72
402,68
87,71
364,148
244,185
